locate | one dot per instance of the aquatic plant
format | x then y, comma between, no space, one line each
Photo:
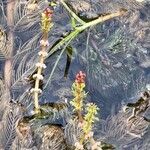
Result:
84,123
79,94
45,27
89,119
113,54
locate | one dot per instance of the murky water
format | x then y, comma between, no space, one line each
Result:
115,55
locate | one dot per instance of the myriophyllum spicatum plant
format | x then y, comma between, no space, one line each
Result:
46,24
85,121
79,94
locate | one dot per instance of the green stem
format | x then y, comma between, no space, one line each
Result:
72,35
99,20
65,41
72,13
77,30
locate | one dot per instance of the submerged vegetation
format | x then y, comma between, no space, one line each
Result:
44,44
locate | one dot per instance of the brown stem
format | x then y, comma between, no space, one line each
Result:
39,72
79,99
80,117
8,62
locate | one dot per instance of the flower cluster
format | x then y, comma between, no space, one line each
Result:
85,121
46,23
44,43
48,12
78,92
96,146
78,146
80,77
90,118
46,18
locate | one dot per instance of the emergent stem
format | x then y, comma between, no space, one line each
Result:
72,13
39,73
101,19
78,30
72,35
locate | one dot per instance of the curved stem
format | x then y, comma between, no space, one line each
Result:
77,30
71,36
74,33
64,42
101,19
72,13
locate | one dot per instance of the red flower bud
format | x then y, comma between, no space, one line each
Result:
48,12
80,77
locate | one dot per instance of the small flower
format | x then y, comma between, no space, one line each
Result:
44,43
80,77
80,124
89,135
48,12
40,65
78,146
43,53
96,146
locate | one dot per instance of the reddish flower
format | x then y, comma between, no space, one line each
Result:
80,77
48,12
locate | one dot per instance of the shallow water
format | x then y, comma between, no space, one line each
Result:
115,55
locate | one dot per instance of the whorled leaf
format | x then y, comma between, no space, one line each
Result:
121,133
73,133
8,123
27,14
50,137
